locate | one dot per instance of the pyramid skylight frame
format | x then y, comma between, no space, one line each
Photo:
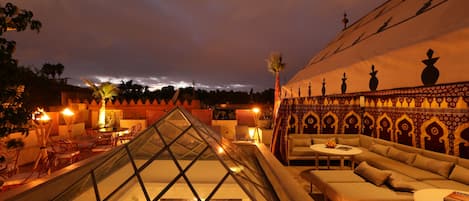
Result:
174,156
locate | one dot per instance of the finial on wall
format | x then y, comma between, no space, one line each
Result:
344,85
345,20
373,84
323,90
430,73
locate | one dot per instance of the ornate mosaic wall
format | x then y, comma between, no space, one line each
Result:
433,118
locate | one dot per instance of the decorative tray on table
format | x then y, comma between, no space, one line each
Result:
343,148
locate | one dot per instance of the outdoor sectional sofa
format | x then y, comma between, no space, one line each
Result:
386,170
298,145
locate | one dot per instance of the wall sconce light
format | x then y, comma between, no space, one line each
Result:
68,117
256,136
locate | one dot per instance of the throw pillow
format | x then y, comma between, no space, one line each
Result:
460,174
379,149
350,141
372,174
401,156
440,167
400,184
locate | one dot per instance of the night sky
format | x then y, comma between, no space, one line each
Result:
215,43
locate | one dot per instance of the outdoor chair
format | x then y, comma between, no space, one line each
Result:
104,142
65,150
133,131
9,162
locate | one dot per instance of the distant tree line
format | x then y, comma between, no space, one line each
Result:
131,91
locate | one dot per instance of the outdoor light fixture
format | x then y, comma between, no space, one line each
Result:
255,135
68,117
43,128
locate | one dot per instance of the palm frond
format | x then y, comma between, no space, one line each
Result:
275,62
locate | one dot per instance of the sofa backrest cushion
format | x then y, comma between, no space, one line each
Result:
442,168
439,156
372,174
349,141
463,162
401,156
460,174
365,141
406,148
382,142
379,149
322,140
301,142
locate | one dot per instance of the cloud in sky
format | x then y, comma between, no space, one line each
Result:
217,44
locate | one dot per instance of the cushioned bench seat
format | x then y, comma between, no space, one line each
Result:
390,171
298,145
450,184
364,191
321,178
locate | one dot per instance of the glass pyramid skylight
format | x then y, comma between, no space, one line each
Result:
176,159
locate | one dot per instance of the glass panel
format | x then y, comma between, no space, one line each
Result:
254,190
168,131
113,172
81,190
188,146
178,119
179,190
202,181
229,190
158,174
145,146
131,191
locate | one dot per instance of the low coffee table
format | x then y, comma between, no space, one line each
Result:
338,150
433,194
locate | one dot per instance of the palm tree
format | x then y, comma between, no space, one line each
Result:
275,65
59,69
105,91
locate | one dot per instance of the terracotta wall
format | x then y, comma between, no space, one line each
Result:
151,111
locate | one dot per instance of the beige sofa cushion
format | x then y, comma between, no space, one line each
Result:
402,156
407,186
349,141
364,192
372,174
385,163
463,162
460,174
322,140
302,151
442,168
400,182
379,149
407,149
322,178
449,184
302,142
